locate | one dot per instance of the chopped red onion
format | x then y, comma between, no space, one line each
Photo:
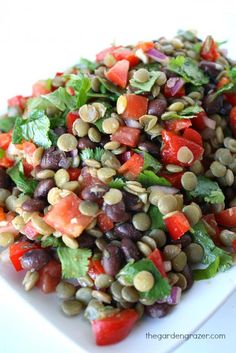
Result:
174,297
157,55
166,189
133,123
209,122
175,84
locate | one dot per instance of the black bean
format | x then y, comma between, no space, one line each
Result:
112,259
43,187
34,205
132,202
86,241
226,108
54,159
60,131
212,106
127,230
94,192
157,310
188,274
85,142
130,249
34,259
157,107
210,68
116,212
104,140
5,180
185,240
150,147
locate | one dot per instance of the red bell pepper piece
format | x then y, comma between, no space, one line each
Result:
127,136
70,119
27,167
172,143
210,220
95,268
177,224
209,49
17,250
232,117
177,125
156,258
133,166
234,245
227,218
126,54
145,46
198,121
74,173
104,222
136,106
173,178
118,73
193,135
114,328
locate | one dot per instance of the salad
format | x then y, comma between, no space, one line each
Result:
117,180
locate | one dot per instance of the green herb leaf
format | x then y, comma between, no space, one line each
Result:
150,66
86,64
207,190
110,87
226,88
117,183
145,86
52,241
148,178
208,272
191,111
35,128
81,85
2,153
161,288
7,124
149,161
26,185
156,218
188,69
197,47
96,154
74,262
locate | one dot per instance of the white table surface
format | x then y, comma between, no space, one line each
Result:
38,38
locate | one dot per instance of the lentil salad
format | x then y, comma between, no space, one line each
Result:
117,180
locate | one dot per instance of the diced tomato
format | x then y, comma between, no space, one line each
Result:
231,98
177,224
127,136
30,231
41,87
211,221
173,178
133,166
171,145
234,245
3,216
17,250
198,122
136,106
74,173
95,268
27,167
5,140
193,135
101,56
227,218
126,54
6,162
145,46
156,258
177,125
114,328
29,148
223,81
49,276
70,119
209,49
232,117
17,101
118,73
66,217
104,222
178,94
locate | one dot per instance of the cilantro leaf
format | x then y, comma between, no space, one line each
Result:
149,161
86,64
81,85
74,262
89,153
188,69
108,86
191,111
207,190
117,183
226,88
161,287
51,241
156,218
208,272
24,184
148,178
2,153
145,86
7,124
35,128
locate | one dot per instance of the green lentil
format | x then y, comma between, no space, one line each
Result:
71,307
194,253
84,295
218,169
141,221
179,262
130,294
103,281
88,208
159,236
80,128
167,204
189,181
67,142
171,251
143,281
227,237
192,213
65,290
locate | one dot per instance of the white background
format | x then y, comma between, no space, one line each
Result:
39,38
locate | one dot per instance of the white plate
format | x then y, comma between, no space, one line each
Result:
195,307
